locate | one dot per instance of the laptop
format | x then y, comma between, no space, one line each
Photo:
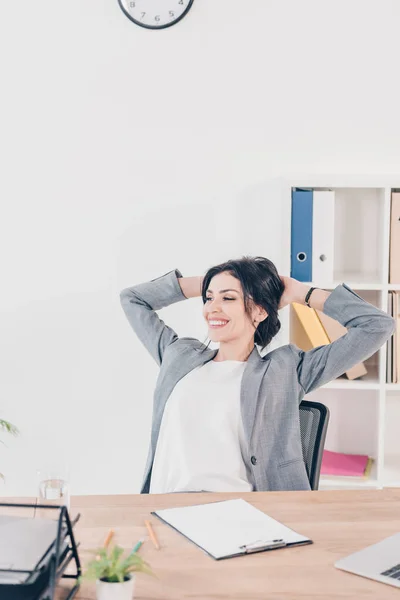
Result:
380,561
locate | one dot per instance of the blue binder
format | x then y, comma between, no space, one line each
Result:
301,235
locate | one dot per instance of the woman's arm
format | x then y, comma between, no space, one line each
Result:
140,303
296,291
368,329
191,286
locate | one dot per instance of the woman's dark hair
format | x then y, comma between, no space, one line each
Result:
261,284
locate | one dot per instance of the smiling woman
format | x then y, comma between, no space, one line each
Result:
228,419
244,294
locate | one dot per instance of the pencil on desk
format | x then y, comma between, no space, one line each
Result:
152,535
108,538
138,546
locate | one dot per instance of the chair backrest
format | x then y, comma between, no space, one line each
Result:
314,418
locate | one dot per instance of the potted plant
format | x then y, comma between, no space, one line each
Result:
114,572
8,428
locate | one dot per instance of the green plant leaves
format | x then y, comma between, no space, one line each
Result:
111,565
8,428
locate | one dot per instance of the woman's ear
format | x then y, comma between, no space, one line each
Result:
260,314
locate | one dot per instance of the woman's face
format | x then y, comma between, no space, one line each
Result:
224,310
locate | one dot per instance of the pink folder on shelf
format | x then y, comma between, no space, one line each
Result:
351,465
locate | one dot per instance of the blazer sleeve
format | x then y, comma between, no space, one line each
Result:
140,303
368,329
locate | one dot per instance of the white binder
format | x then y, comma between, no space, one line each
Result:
323,236
230,528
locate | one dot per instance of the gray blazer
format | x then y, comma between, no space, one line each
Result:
273,385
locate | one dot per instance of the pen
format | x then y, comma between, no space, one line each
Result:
152,534
260,545
108,538
106,541
137,547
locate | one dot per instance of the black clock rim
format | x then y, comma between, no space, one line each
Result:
185,12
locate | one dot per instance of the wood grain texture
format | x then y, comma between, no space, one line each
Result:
339,522
16,511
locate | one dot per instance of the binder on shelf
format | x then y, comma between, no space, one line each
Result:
35,553
301,235
345,465
230,528
389,343
323,221
367,472
308,320
393,343
334,331
394,260
395,336
312,328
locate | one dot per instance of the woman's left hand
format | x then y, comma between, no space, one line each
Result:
295,291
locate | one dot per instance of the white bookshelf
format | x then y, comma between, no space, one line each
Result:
364,413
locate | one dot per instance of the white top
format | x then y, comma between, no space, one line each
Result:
201,441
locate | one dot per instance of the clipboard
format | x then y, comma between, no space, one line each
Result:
230,528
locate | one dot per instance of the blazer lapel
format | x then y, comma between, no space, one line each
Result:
251,382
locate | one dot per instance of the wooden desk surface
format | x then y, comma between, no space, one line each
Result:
339,523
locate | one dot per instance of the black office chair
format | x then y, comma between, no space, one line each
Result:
314,418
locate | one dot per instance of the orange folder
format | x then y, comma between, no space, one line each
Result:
312,328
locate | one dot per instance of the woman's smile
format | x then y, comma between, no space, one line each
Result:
217,323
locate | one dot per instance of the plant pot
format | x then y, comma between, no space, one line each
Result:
115,591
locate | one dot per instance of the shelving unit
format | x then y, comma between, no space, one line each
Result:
365,413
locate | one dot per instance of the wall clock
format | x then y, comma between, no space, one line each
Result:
155,14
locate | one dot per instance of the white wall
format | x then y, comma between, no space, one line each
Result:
126,153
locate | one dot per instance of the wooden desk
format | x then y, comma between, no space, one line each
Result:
339,523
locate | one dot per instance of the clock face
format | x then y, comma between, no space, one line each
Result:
155,14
